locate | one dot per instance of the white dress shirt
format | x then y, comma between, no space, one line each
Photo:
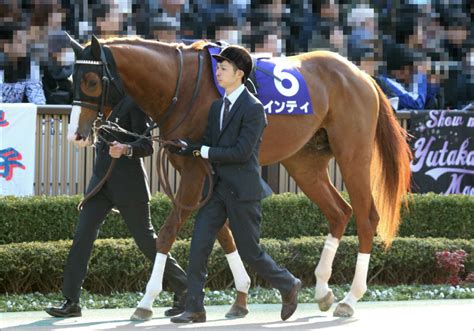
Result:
232,98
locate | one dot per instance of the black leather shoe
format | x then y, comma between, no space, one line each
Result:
290,300
188,317
67,309
178,305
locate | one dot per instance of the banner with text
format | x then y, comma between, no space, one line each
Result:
443,151
17,148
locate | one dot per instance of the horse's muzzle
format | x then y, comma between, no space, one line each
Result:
79,140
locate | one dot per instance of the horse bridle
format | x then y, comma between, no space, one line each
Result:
98,103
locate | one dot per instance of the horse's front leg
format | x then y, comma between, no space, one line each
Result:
189,192
241,278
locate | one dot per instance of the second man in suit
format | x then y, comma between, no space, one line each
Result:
231,143
127,190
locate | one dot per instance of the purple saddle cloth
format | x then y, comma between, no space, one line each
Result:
280,86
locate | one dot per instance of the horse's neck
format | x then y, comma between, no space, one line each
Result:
148,73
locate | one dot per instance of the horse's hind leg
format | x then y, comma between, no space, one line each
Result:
241,278
308,168
354,159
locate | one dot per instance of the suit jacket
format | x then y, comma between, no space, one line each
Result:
234,150
128,182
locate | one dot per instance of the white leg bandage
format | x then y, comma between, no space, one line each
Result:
359,284
241,278
324,268
155,284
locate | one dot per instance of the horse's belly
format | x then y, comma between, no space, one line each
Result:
285,135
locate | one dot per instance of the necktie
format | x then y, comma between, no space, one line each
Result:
227,104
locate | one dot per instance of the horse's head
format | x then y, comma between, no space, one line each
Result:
97,89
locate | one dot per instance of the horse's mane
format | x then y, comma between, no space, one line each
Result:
138,41
199,45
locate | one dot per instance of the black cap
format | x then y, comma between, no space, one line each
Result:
237,55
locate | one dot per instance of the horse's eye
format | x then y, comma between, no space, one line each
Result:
91,83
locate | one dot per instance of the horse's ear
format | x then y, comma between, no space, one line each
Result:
95,48
75,45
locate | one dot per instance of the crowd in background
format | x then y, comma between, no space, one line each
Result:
420,51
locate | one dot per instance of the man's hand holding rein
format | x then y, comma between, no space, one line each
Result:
187,148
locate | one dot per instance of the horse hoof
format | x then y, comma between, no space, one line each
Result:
236,311
326,302
141,314
343,310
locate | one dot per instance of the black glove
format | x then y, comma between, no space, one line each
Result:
190,148
172,147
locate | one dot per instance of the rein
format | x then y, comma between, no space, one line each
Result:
162,156
101,183
162,160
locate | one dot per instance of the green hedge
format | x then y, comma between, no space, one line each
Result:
117,265
284,216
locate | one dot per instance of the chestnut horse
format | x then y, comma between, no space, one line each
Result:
352,121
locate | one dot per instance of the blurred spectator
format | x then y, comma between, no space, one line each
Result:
265,30
56,83
159,20
332,27
205,19
228,33
362,23
457,83
456,26
418,41
268,43
402,81
404,21
369,64
19,77
107,18
167,22
298,26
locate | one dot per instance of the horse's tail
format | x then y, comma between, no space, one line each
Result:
390,169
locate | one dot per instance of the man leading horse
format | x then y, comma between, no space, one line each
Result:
231,143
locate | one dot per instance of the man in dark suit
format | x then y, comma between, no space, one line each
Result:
127,190
231,143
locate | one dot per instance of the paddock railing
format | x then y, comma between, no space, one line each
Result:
63,168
